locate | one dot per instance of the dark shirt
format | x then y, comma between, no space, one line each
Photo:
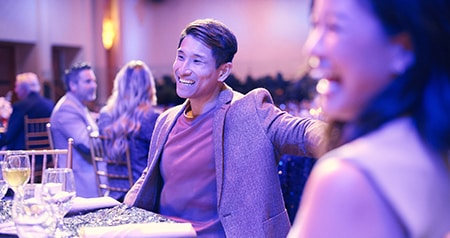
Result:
138,146
35,106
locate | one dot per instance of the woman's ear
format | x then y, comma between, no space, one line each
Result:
225,71
403,53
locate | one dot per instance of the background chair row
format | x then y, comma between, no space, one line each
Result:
112,175
45,158
39,147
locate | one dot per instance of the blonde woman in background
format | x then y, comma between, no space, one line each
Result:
129,117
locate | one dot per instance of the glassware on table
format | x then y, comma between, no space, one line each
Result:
3,190
31,216
3,184
58,191
16,169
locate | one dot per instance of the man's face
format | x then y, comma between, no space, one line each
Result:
86,87
20,91
197,77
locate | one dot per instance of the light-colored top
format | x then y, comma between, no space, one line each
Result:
188,171
412,182
70,119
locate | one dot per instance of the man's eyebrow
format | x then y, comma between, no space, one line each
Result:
200,56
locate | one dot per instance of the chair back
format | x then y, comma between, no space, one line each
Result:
50,136
69,145
47,155
106,169
36,136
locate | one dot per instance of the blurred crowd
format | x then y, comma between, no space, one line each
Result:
297,96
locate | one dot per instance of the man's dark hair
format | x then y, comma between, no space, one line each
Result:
71,75
215,35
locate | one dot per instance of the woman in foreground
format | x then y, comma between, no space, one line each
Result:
384,73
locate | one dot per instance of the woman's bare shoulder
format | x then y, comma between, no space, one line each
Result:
339,198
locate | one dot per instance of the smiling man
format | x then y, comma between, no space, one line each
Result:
70,119
213,160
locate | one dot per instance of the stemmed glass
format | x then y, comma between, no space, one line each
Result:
16,169
32,217
58,191
3,184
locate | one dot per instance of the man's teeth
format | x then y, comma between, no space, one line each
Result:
185,81
324,86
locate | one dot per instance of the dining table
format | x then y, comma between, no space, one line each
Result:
92,213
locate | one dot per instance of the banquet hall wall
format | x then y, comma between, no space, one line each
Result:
46,36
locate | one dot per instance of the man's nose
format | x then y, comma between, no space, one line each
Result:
185,68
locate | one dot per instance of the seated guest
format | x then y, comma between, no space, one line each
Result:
70,119
30,104
128,120
213,160
384,86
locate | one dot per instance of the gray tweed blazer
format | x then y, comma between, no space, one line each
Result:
69,119
249,136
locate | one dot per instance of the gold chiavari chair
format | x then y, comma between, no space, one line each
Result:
50,137
102,162
47,154
36,136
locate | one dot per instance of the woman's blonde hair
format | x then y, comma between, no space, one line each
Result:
133,96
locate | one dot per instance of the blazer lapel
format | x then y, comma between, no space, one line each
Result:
224,100
150,189
163,133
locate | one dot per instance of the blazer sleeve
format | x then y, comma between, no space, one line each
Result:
72,124
289,134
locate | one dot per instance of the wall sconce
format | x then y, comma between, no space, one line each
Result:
108,33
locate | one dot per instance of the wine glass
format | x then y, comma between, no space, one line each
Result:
16,169
31,216
58,191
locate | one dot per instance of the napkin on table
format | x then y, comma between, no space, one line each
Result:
8,228
81,204
162,229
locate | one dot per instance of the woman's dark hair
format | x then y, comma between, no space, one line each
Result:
423,90
215,35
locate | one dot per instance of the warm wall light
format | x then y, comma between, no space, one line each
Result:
108,33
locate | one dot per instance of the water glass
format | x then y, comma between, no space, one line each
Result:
58,191
31,216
